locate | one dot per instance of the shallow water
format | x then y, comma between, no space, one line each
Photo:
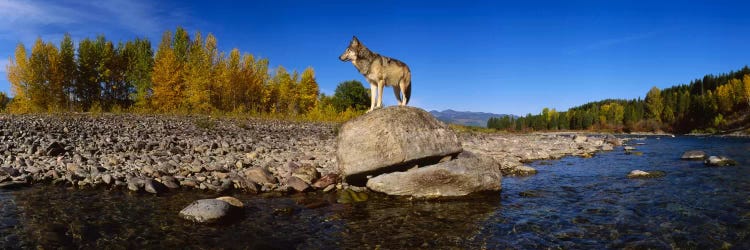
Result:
570,203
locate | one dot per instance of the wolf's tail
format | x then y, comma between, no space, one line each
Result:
407,93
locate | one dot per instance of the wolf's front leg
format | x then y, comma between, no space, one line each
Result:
372,96
381,85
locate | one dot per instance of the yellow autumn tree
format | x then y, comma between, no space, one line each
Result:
166,77
746,88
198,77
308,91
253,74
724,98
18,76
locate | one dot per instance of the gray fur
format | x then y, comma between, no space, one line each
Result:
379,71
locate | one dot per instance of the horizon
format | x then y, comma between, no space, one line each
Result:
481,56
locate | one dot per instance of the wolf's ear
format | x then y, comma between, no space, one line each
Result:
355,41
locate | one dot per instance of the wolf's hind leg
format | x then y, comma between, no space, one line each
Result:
397,92
402,86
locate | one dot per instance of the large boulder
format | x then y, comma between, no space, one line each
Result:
392,139
452,178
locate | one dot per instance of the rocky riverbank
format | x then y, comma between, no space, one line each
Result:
152,154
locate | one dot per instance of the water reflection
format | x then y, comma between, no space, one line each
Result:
54,216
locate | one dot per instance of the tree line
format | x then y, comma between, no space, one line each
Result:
708,104
186,74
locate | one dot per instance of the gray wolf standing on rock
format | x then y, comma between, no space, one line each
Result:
380,71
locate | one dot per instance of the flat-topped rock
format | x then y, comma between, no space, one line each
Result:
392,139
693,155
458,177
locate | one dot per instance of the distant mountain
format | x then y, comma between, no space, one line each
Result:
467,118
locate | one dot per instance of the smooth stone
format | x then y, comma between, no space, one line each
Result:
326,181
206,210
523,170
719,161
645,175
693,155
454,178
306,172
13,184
169,182
392,137
260,175
232,201
297,184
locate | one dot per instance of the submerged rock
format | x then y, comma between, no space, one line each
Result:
693,155
346,196
207,210
522,170
232,201
326,181
645,175
392,139
719,161
453,178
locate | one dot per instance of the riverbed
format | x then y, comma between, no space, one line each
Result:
573,202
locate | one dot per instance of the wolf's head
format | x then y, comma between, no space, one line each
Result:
350,53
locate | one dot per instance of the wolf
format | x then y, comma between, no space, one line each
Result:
380,71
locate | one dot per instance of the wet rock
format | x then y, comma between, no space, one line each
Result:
135,184
232,201
522,170
612,140
346,196
169,182
206,211
454,178
152,186
719,161
326,181
306,172
392,137
693,155
640,174
628,148
106,178
297,184
13,184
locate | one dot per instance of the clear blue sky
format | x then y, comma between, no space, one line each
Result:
513,57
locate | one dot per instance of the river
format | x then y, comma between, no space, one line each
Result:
571,203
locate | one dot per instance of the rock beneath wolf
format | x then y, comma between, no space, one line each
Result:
693,155
392,139
458,177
